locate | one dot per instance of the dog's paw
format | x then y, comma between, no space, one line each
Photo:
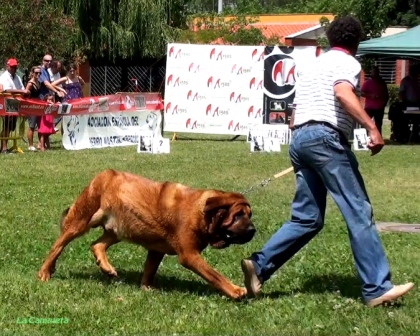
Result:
44,275
112,273
238,293
147,287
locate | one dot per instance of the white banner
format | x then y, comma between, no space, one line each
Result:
213,89
109,129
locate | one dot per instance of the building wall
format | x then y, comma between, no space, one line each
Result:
84,72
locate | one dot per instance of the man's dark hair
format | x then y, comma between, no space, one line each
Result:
345,32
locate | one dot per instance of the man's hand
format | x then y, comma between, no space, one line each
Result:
376,142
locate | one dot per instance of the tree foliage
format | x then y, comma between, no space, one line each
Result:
31,28
373,14
124,28
130,29
406,13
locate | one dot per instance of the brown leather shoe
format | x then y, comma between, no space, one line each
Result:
252,283
393,294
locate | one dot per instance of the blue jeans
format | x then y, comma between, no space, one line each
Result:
323,162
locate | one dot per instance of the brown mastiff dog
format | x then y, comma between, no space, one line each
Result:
165,218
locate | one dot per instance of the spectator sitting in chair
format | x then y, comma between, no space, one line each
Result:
410,88
11,83
410,95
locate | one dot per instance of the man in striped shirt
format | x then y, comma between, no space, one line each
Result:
325,106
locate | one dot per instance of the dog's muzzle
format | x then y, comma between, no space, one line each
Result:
243,238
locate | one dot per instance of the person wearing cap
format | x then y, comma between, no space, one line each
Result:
11,83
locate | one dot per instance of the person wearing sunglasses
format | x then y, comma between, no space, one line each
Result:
34,87
45,80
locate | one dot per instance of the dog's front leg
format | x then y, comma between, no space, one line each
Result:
198,265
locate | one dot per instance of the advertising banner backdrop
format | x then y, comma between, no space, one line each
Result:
213,89
282,70
108,129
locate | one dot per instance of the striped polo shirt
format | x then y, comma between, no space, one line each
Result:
315,99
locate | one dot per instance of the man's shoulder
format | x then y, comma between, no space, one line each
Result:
351,62
338,58
4,74
5,78
19,85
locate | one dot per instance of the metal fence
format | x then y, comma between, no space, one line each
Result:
105,80
387,69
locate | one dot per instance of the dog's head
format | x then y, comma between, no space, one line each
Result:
229,219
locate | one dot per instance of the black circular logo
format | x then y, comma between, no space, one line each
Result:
279,75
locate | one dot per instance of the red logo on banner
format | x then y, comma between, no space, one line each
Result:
255,53
235,126
208,109
250,111
194,96
173,53
193,124
168,106
253,82
220,55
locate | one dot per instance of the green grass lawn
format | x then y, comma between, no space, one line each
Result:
316,293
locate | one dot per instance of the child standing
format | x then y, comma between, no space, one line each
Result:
46,127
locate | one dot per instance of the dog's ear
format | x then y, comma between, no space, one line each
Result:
224,201
217,208
217,202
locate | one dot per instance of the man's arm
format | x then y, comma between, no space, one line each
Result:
349,101
8,89
292,119
54,88
16,91
45,79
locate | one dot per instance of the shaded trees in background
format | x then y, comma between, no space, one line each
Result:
135,29
124,28
29,29
406,13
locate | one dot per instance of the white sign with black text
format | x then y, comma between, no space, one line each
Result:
152,143
109,129
361,139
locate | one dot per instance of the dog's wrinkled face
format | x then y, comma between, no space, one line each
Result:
229,219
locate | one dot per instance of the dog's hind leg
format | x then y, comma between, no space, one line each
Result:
151,266
69,233
99,248
75,222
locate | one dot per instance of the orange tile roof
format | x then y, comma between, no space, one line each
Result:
282,30
279,25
